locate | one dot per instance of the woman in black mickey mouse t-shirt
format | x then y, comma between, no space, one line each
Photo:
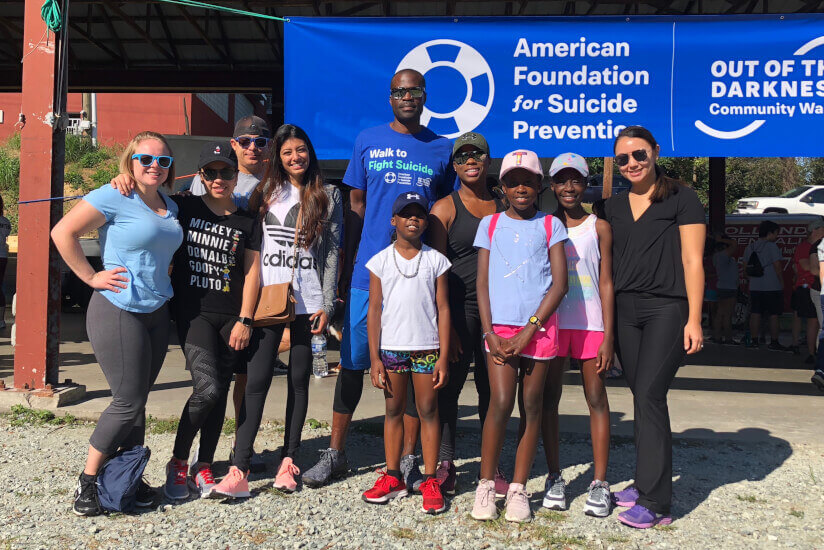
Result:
215,275
658,232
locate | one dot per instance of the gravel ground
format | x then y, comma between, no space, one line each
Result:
727,495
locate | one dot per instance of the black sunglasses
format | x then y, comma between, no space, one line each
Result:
462,158
211,174
400,93
639,154
147,160
245,142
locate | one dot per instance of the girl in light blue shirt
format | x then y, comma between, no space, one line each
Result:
128,316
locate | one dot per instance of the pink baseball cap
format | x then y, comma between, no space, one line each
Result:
521,158
569,160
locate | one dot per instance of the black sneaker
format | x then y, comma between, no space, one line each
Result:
145,495
775,346
809,360
85,497
818,379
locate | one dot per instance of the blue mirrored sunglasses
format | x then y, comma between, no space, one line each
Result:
147,160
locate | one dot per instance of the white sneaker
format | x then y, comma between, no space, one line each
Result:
555,493
599,503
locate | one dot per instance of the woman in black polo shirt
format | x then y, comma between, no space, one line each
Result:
658,240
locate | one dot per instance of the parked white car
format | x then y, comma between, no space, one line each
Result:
807,199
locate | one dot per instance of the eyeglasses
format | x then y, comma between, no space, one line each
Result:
462,158
245,141
639,154
211,174
400,93
145,161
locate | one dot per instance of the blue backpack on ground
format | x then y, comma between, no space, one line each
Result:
119,477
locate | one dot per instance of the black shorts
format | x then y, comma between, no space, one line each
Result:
726,293
767,302
802,303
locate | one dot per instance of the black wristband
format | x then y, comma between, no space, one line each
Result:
245,321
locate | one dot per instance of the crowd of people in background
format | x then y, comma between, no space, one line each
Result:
446,274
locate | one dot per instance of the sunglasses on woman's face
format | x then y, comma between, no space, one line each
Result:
462,158
211,174
245,141
147,160
639,154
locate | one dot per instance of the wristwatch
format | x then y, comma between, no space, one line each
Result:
535,321
245,321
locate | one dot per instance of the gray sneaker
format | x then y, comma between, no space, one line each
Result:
176,486
411,472
599,503
332,465
555,495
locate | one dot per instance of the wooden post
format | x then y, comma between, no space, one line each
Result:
42,152
607,189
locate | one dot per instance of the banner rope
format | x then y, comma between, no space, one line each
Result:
75,197
204,5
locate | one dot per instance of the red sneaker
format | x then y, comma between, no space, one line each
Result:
385,489
433,502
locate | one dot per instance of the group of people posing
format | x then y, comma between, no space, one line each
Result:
446,274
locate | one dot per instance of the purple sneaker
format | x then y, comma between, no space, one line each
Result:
501,484
642,518
446,476
625,498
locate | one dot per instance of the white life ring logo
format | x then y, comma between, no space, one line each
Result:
470,65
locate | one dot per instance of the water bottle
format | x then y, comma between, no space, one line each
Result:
320,367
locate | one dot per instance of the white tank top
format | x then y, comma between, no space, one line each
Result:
581,307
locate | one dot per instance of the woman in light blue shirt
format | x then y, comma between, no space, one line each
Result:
128,317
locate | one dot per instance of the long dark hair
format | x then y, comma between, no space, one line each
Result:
664,185
313,198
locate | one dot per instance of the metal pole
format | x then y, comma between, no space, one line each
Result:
606,192
41,175
717,194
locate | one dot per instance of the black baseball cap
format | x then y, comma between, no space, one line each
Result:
217,151
407,198
252,126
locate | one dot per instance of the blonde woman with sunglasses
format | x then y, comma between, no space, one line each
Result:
128,316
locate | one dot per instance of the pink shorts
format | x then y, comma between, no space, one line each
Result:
544,344
579,344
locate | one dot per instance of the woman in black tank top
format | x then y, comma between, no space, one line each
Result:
453,224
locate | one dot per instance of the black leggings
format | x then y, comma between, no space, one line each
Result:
650,345
468,328
262,349
205,344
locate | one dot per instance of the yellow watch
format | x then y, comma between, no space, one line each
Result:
535,321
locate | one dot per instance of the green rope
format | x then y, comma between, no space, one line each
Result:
50,12
204,5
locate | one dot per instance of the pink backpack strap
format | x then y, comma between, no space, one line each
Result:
548,227
492,223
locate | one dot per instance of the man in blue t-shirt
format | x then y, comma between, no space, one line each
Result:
386,161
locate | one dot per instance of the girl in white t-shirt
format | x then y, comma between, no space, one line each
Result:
408,326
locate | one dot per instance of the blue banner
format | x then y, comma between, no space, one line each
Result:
705,86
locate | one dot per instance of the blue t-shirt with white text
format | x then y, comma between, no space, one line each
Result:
385,163
142,241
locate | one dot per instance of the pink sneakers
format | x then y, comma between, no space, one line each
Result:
285,480
234,485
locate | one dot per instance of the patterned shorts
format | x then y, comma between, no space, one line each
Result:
422,362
